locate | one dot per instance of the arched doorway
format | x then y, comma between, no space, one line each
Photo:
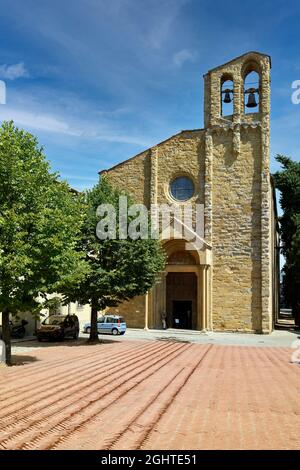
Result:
181,300
183,292
181,288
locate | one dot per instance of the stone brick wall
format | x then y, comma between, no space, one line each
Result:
133,177
238,198
147,177
133,311
183,154
236,232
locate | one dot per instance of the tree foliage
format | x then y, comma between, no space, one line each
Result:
40,221
119,269
287,181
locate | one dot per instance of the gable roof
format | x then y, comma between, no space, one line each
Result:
232,61
147,150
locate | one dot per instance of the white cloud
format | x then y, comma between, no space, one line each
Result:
184,55
64,125
12,72
91,179
34,120
161,21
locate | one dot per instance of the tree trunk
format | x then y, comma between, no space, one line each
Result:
296,314
94,327
6,335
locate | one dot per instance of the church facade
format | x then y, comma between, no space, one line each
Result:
230,282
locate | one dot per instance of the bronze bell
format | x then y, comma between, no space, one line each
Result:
251,103
227,98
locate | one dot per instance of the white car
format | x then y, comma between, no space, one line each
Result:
108,324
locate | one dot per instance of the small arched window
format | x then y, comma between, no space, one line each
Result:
226,96
251,92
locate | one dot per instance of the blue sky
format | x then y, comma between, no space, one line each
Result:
101,80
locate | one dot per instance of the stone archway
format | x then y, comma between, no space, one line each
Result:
186,289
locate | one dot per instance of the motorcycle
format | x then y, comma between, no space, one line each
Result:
17,330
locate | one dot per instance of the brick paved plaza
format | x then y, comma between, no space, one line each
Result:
151,395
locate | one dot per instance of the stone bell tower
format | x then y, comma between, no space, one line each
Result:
238,193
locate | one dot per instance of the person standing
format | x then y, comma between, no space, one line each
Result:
164,320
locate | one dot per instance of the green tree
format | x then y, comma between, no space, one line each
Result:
119,269
40,221
287,181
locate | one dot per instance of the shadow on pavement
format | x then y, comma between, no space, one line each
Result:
22,360
291,329
173,339
67,342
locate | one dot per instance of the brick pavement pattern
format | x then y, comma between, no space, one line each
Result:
151,395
